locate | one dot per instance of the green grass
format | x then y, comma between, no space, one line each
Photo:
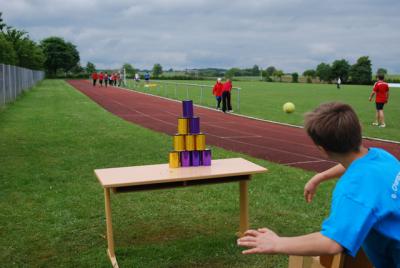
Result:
52,207
265,100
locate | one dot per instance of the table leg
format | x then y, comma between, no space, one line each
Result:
110,238
244,207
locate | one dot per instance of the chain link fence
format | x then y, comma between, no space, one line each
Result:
14,80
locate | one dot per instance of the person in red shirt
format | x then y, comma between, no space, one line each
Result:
217,92
381,89
94,77
106,79
226,96
101,78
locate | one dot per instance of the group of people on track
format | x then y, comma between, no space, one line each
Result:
112,79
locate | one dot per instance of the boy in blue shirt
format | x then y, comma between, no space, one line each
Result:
365,208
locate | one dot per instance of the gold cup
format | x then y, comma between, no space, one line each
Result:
174,160
179,143
190,143
183,126
200,142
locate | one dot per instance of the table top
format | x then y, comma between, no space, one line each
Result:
162,173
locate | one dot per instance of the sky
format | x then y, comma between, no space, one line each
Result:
292,35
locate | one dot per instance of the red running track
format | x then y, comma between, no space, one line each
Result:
273,142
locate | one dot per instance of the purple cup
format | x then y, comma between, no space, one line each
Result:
195,158
187,106
194,125
185,159
206,157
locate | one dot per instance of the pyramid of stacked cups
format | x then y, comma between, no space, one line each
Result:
189,143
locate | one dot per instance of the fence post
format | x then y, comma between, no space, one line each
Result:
201,95
187,92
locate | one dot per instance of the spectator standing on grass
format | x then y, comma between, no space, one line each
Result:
101,78
137,77
338,82
217,92
146,77
94,78
106,79
119,79
381,89
114,79
226,96
365,202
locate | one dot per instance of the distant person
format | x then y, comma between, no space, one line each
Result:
365,209
101,77
94,78
119,79
106,79
146,77
217,92
110,79
381,89
114,79
338,82
137,77
226,96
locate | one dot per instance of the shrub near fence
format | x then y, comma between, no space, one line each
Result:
14,80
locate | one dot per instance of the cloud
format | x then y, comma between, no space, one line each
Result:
292,35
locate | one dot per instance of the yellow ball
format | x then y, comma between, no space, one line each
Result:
288,107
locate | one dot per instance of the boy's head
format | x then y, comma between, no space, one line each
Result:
335,127
381,76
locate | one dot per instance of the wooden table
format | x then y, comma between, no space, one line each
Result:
139,178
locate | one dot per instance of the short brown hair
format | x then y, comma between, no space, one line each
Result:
335,127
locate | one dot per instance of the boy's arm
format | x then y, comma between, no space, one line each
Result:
312,184
266,241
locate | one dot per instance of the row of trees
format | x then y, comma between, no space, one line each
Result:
358,73
52,54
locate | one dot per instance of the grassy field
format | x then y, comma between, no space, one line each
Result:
52,207
264,100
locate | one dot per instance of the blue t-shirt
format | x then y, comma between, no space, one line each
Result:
367,197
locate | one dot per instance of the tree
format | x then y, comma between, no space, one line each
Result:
232,72
361,72
279,74
324,72
90,68
341,68
59,55
270,70
157,70
255,70
7,52
2,24
381,71
130,71
311,73
295,77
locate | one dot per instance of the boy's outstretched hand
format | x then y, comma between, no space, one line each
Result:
259,241
310,189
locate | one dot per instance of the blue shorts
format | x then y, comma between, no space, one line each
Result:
382,251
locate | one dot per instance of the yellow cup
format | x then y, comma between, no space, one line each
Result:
200,142
183,126
190,143
179,143
174,160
